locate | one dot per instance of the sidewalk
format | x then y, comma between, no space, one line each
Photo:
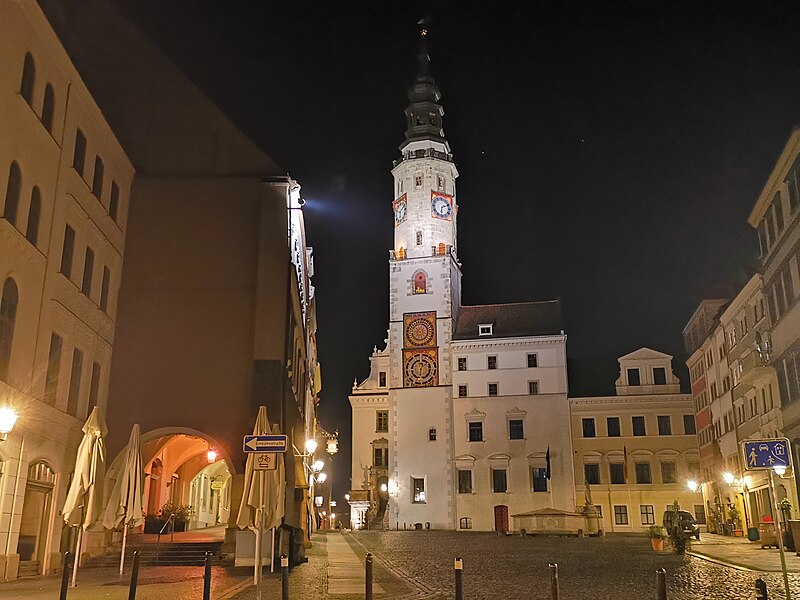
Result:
741,553
334,571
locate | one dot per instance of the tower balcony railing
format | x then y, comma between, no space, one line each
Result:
440,250
423,153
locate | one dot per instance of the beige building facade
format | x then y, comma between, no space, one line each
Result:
635,453
65,184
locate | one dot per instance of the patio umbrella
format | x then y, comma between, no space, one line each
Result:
276,484
83,505
125,502
257,497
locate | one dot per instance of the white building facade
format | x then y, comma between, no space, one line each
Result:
64,188
448,371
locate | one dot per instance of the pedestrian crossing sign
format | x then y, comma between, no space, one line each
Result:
766,454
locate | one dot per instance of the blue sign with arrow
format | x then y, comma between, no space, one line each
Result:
265,443
766,454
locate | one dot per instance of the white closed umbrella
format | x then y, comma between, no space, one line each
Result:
259,503
125,502
83,506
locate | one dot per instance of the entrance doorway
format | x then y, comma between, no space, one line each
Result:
32,543
501,518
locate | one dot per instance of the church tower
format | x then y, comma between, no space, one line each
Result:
425,291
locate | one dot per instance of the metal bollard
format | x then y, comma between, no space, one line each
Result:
553,580
207,578
459,568
284,577
761,590
368,576
134,576
65,575
661,584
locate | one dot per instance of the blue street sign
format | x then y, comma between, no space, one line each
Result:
766,454
265,443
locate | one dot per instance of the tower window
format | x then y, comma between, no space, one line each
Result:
382,378
420,283
28,79
418,180
8,319
432,434
13,188
79,153
419,238
34,212
48,107
440,183
400,187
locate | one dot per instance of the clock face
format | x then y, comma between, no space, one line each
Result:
420,370
420,332
400,210
441,206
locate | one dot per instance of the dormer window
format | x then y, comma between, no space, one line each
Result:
633,377
485,329
659,376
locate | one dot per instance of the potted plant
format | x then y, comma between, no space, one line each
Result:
657,536
153,523
181,515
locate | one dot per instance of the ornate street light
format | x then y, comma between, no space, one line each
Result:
692,485
311,445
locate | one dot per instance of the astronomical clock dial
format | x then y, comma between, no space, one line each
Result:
400,208
420,332
441,206
421,369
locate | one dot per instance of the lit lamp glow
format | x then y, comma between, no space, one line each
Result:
384,487
347,497
317,466
332,446
728,477
692,485
311,445
7,419
322,477
780,470
211,455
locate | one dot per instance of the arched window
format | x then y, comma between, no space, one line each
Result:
442,249
48,107
28,79
8,317
420,282
35,211
12,194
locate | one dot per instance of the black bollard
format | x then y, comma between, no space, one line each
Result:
134,576
761,590
459,568
207,578
368,576
661,584
65,575
284,577
553,580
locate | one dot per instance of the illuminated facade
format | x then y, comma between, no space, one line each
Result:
64,187
451,429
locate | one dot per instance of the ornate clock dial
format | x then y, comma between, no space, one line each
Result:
420,332
420,370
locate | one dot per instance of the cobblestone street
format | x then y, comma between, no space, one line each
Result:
502,568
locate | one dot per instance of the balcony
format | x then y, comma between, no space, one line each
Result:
753,368
423,153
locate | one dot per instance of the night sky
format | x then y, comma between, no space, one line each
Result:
609,153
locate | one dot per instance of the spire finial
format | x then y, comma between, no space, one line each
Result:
423,59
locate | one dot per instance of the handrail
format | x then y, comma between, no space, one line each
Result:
158,539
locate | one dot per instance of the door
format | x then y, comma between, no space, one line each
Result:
501,518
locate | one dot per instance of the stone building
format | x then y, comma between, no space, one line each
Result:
451,429
216,308
636,452
65,184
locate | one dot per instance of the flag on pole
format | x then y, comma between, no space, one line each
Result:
547,463
625,463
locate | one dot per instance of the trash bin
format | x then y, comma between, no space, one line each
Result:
752,533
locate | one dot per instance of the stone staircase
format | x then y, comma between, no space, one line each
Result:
29,568
165,554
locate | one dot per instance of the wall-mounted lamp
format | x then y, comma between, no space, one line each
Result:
211,455
311,445
7,419
322,477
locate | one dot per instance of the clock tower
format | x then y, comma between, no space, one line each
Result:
425,295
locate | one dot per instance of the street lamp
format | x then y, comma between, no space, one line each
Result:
692,485
780,470
728,477
322,477
211,455
7,419
311,445
317,466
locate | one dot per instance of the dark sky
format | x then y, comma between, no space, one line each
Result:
609,152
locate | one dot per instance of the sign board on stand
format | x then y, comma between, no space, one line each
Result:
265,461
760,455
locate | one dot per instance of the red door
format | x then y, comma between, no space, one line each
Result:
501,518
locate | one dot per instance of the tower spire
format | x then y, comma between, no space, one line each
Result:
424,114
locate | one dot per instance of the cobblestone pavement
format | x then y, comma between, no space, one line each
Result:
511,567
743,553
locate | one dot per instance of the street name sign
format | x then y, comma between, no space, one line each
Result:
265,461
766,454
265,443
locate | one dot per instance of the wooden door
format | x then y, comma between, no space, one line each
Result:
501,518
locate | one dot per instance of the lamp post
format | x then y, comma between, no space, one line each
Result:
8,417
735,482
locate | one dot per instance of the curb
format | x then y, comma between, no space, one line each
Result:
728,564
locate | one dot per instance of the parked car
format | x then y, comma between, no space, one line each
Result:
684,521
